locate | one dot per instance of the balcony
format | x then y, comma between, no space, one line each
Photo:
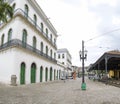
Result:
19,43
21,12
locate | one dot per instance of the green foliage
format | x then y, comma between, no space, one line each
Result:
5,11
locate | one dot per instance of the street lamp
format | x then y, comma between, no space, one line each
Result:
83,56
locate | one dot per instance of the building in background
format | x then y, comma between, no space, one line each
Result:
28,46
64,57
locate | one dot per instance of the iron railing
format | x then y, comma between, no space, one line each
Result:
19,43
19,11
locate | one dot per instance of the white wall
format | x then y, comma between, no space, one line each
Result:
11,58
7,68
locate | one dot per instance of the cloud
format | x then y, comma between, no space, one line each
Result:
89,20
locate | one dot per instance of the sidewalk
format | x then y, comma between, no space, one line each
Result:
60,93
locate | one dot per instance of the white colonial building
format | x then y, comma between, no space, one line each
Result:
64,57
28,45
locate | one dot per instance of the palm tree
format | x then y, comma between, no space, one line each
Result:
5,11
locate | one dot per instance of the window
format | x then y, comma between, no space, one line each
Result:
54,55
34,42
54,41
51,37
24,37
35,20
51,53
14,5
46,32
9,34
58,56
46,50
42,27
2,39
41,46
63,56
26,10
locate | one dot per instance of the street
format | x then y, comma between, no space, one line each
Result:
60,93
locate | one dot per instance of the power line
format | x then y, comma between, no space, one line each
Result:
106,33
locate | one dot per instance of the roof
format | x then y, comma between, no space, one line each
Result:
111,57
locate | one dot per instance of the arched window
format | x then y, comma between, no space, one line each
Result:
63,56
54,55
22,73
46,32
54,41
24,37
51,52
46,50
35,20
9,35
34,42
26,10
2,39
14,5
51,37
42,46
58,56
42,27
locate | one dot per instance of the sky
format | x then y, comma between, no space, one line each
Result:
96,22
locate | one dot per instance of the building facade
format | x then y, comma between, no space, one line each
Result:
28,45
64,57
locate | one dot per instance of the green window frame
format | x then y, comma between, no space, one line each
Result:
24,37
35,19
9,35
26,10
46,32
34,42
46,50
42,27
42,46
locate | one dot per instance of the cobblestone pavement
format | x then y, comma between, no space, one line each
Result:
60,93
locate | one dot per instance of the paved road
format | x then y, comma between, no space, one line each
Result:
60,93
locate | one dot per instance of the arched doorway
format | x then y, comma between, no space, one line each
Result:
22,73
41,73
54,74
59,74
51,74
46,74
33,73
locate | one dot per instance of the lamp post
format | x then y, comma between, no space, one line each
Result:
83,56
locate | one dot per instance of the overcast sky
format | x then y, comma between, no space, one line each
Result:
97,22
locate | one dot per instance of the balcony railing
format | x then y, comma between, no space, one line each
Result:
19,43
21,12
10,1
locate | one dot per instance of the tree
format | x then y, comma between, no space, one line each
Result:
5,11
